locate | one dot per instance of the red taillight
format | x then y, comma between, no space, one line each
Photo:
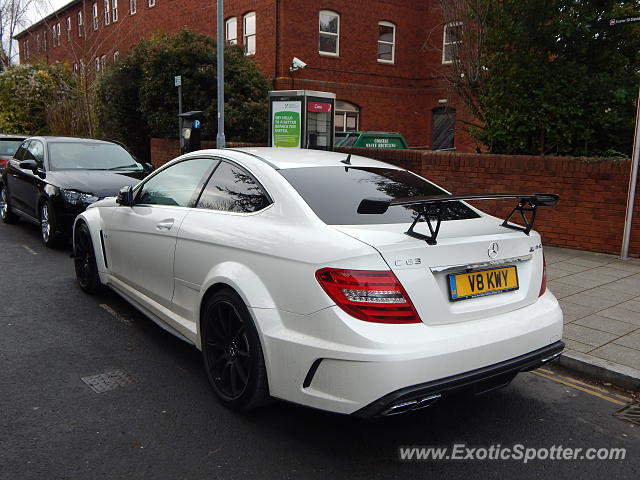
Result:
3,161
372,296
543,285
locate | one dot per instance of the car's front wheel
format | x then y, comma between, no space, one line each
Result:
84,259
5,207
232,352
49,225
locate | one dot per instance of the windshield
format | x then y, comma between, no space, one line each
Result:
90,156
9,147
334,194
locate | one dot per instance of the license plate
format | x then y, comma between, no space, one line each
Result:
482,282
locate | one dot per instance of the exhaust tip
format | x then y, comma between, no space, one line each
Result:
411,405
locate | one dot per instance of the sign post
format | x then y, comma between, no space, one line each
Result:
177,82
633,176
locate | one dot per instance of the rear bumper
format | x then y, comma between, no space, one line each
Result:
475,382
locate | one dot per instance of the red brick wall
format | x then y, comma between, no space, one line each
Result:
593,193
392,97
163,150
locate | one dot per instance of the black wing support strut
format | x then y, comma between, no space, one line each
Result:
430,210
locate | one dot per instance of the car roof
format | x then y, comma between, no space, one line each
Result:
7,136
284,158
70,140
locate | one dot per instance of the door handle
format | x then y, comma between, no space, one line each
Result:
165,224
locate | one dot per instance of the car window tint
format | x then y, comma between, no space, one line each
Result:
176,185
334,194
21,151
34,151
232,189
90,156
9,147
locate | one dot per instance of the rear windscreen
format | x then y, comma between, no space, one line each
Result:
334,194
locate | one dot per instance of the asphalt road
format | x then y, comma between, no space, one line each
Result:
167,423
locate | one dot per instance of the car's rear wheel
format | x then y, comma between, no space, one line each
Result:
85,260
5,207
49,225
232,352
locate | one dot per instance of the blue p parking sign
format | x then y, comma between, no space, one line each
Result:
196,124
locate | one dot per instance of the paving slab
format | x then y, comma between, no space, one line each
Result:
600,301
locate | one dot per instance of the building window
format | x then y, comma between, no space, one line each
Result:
152,3
114,10
103,62
451,41
347,117
94,12
97,60
75,68
133,6
107,12
55,34
116,56
58,33
69,28
231,30
249,32
44,39
80,24
329,41
38,42
26,49
386,42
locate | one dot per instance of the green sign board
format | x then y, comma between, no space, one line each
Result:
286,124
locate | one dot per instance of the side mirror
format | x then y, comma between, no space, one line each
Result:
125,196
29,165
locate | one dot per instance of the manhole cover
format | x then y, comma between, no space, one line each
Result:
108,381
630,413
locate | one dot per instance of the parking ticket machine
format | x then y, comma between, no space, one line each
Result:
190,128
301,119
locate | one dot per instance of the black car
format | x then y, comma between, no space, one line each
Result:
50,180
9,145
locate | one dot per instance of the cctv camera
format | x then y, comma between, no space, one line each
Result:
297,64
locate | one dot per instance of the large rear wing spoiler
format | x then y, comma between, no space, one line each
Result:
430,210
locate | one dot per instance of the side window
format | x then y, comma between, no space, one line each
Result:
19,155
178,185
232,189
33,151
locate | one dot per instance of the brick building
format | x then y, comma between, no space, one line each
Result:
382,58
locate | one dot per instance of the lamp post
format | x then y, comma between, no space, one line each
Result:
220,140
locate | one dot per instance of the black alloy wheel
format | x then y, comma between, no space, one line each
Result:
84,259
232,352
5,207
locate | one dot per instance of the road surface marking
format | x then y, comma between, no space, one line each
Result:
119,317
583,389
30,250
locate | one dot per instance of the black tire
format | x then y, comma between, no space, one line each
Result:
232,353
84,259
5,207
48,225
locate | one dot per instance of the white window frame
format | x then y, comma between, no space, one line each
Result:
58,33
38,42
116,56
246,36
53,35
44,38
152,3
94,13
337,35
26,49
80,23
352,111
392,42
97,62
103,62
231,21
133,7
445,60
114,11
69,28
107,12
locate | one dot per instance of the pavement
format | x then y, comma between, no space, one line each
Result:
600,299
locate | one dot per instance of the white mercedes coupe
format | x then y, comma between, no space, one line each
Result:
325,279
